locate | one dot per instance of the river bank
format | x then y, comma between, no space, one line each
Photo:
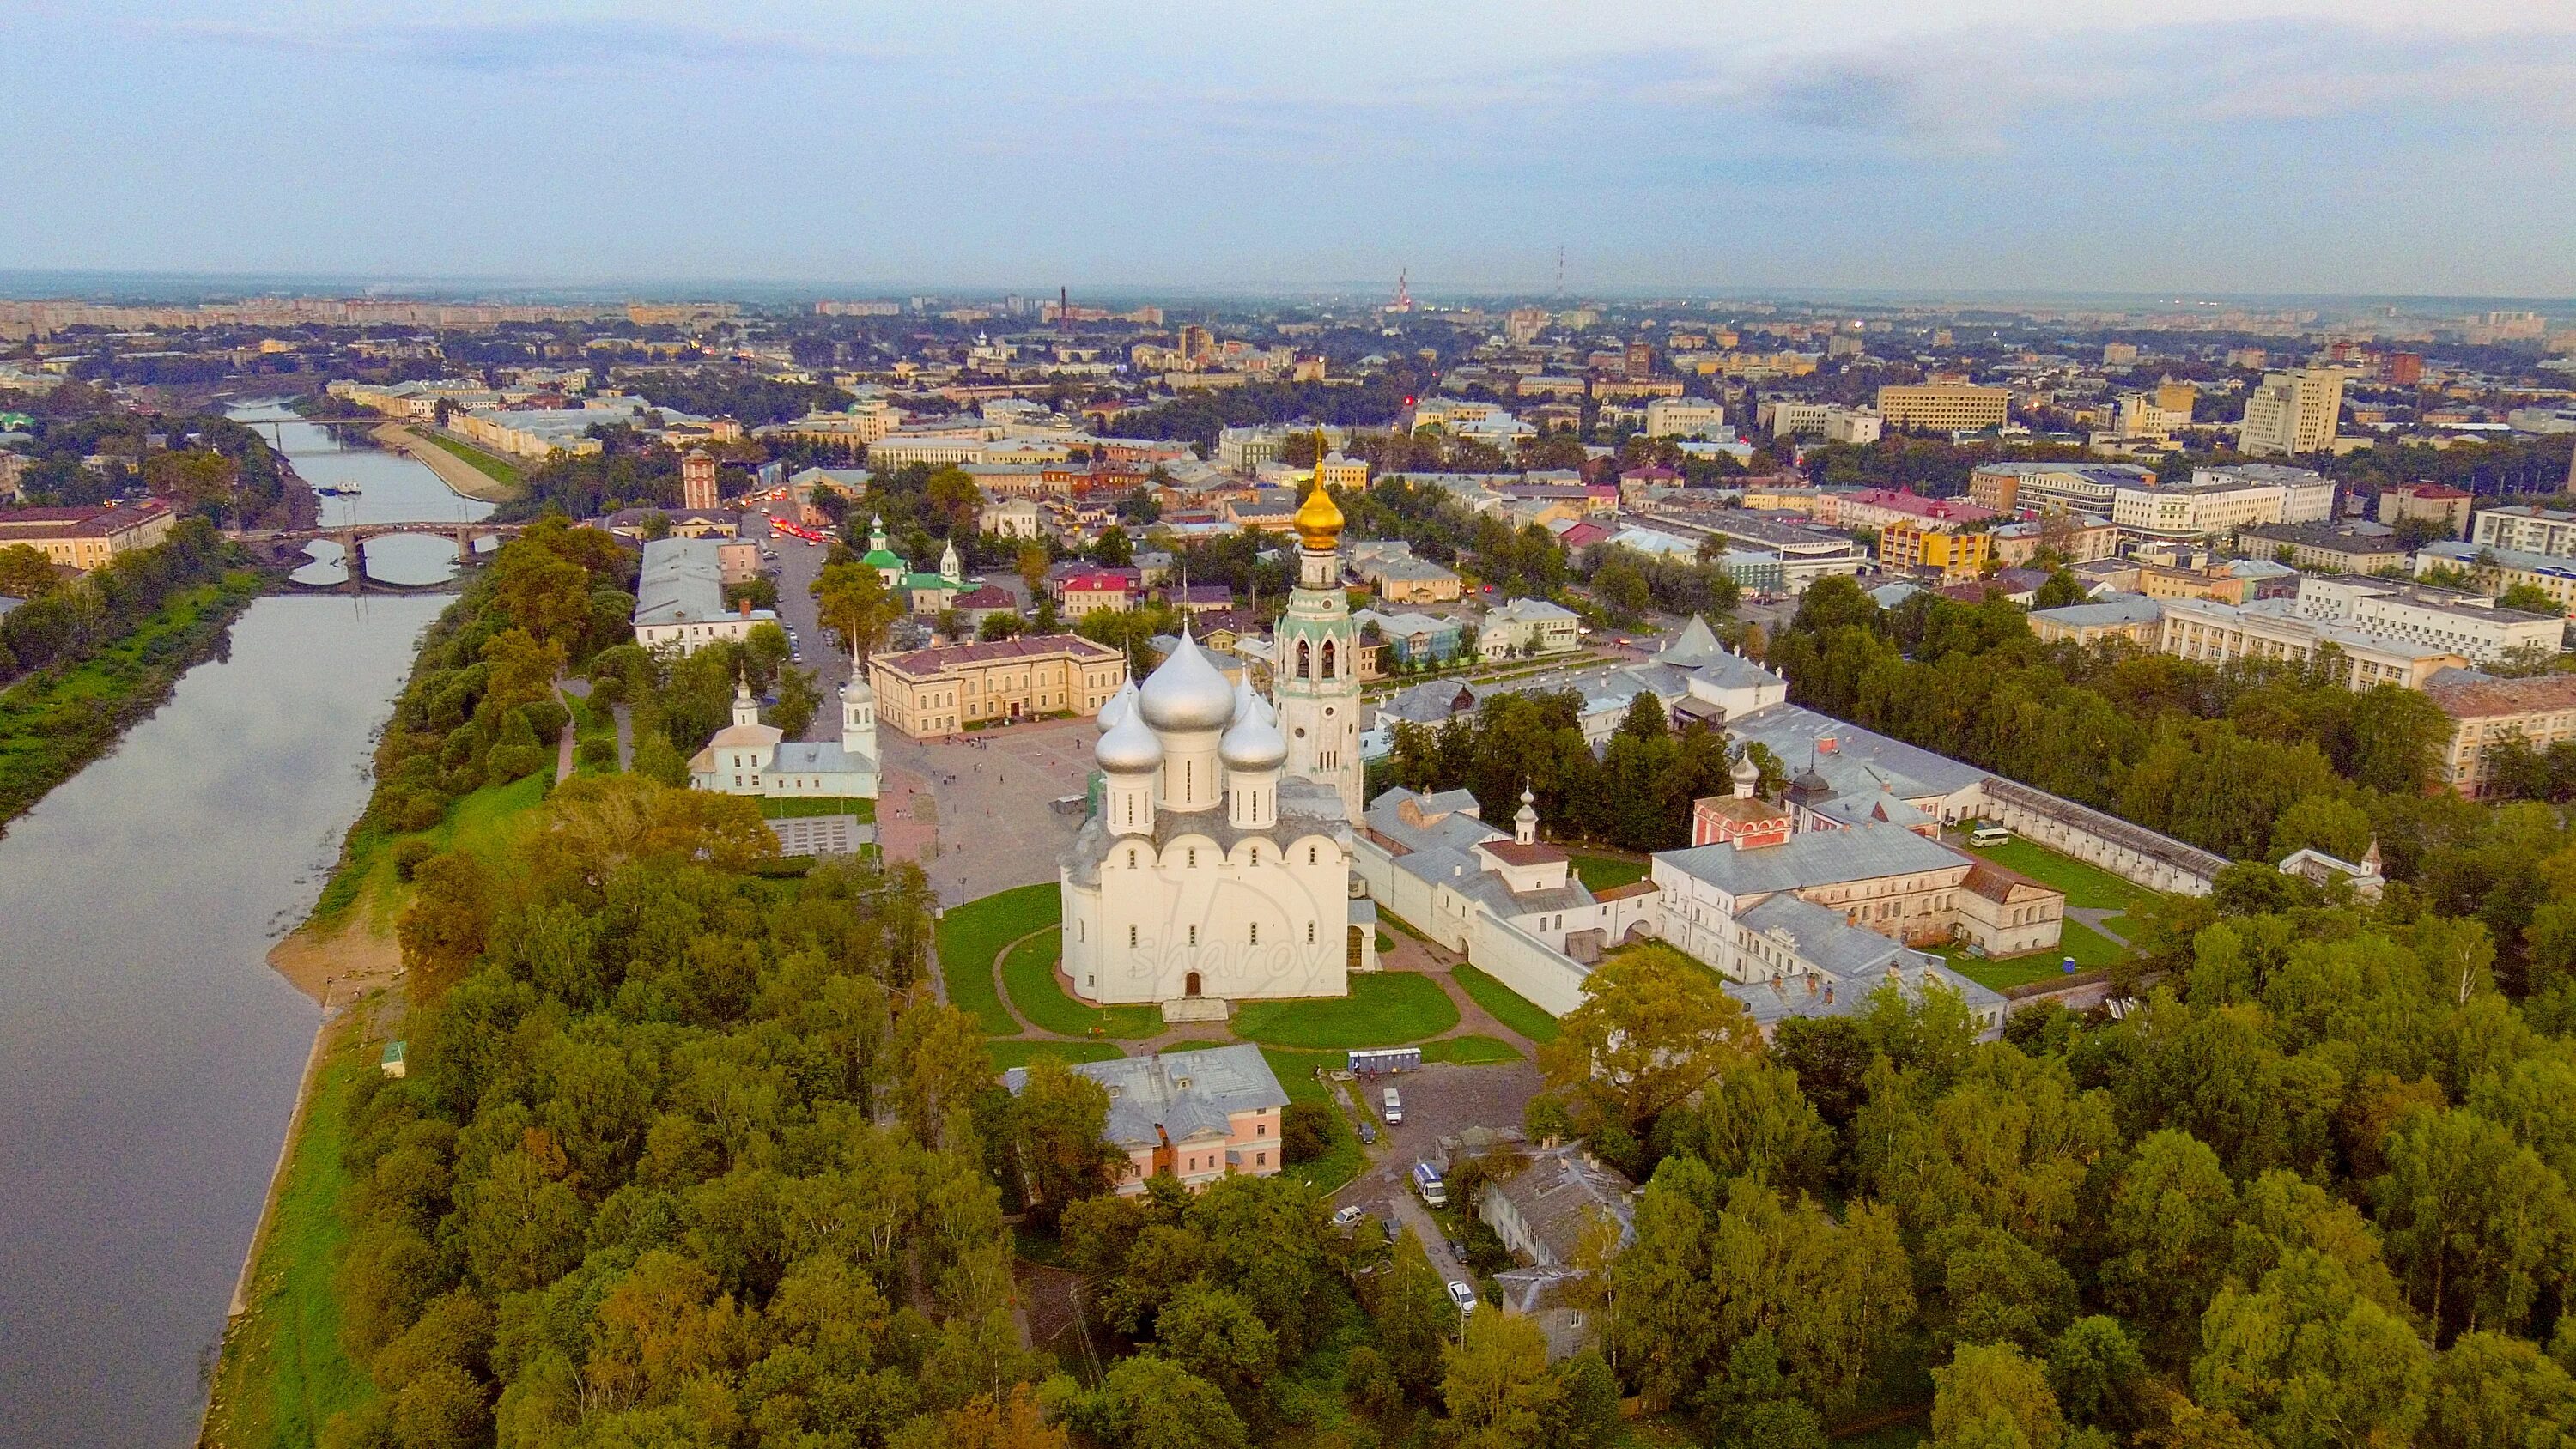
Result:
452,467
56,721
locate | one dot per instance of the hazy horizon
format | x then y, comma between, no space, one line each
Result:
1975,148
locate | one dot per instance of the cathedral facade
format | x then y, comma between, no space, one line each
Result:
1218,865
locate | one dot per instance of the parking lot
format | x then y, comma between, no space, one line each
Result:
1439,1101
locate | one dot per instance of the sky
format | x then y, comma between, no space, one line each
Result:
2179,146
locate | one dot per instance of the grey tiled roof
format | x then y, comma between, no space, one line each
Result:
1814,858
1179,1093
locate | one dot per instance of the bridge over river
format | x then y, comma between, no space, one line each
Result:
353,538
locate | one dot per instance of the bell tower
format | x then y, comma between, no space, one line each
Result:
1317,680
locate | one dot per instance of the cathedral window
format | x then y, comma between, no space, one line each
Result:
1328,659
1305,661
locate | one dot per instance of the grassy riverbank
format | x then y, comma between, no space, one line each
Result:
55,721
283,1373
500,470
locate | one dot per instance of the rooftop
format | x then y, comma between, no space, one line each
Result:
1179,1095
925,663
2492,698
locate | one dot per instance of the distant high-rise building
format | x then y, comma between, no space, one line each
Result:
2405,369
1523,325
2292,413
1641,359
2119,354
2177,397
698,479
1945,407
1197,343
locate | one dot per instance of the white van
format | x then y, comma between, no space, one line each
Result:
1394,1113
1989,835
1427,1183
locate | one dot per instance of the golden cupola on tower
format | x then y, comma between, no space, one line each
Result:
1319,523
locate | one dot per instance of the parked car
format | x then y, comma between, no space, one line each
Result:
1394,1108
1349,1216
1368,1132
1462,1295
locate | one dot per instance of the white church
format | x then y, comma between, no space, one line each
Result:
751,758
1218,866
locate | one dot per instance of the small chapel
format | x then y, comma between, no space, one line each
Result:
747,757
1217,865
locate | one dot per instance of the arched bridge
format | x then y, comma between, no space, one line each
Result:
353,539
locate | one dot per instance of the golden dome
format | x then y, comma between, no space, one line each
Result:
1319,523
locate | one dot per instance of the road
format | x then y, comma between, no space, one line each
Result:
1439,1101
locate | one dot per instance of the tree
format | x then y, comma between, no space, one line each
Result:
2062,589
1063,1156
2097,1373
1216,1335
1000,626
1032,564
941,1066
851,600
1149,1402
1414,1316
1496,1384
2169,1231
798,699
2530,599
444,928
984,1423
25,572
2494,1392
1112,549
2477,1224
1653,1028
1990,1397
2305,1360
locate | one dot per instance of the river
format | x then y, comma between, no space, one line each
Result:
388,488
149,1058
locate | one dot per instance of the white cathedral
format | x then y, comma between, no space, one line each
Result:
1218,866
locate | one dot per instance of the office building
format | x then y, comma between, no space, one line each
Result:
1934,549
2319,546
2434,503
2494,570
679,598
1944,407
85,538
2292,413
2216,633
2469,625
929,693
2055,487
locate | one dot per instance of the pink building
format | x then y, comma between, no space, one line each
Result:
1200,1116
1880,507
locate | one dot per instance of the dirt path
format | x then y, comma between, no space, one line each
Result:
452,470
352,959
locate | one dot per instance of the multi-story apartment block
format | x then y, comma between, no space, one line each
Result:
2318,546
1933,548
2055,487
2525,529
2292,413
1669,417
928,693
2495,570
2465,624
2484,713
1944,407
2215,633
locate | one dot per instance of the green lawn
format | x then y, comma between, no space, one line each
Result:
1601,872
1507,1006
484,463
1470,1050
483,823
1344,1159
798,808
1384,1009
1028,974
2084,885
1009,1054
2089,947
971,935
283,1374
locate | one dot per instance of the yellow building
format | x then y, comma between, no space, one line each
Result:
928,693
1341,472
2177,398
2158,582
1958,557
2539,712
2292,413
86,538
1944,407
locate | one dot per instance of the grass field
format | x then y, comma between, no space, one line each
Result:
1384,1009
2084,885
1470,1050
1600,872
1028,974
1009,1054
484,823
1508,1006
971,935
496,469
1344,1159
283,1374
775,808
2089,947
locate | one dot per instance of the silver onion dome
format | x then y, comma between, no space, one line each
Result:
1254,743
1186,693
1129,748
1120,705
